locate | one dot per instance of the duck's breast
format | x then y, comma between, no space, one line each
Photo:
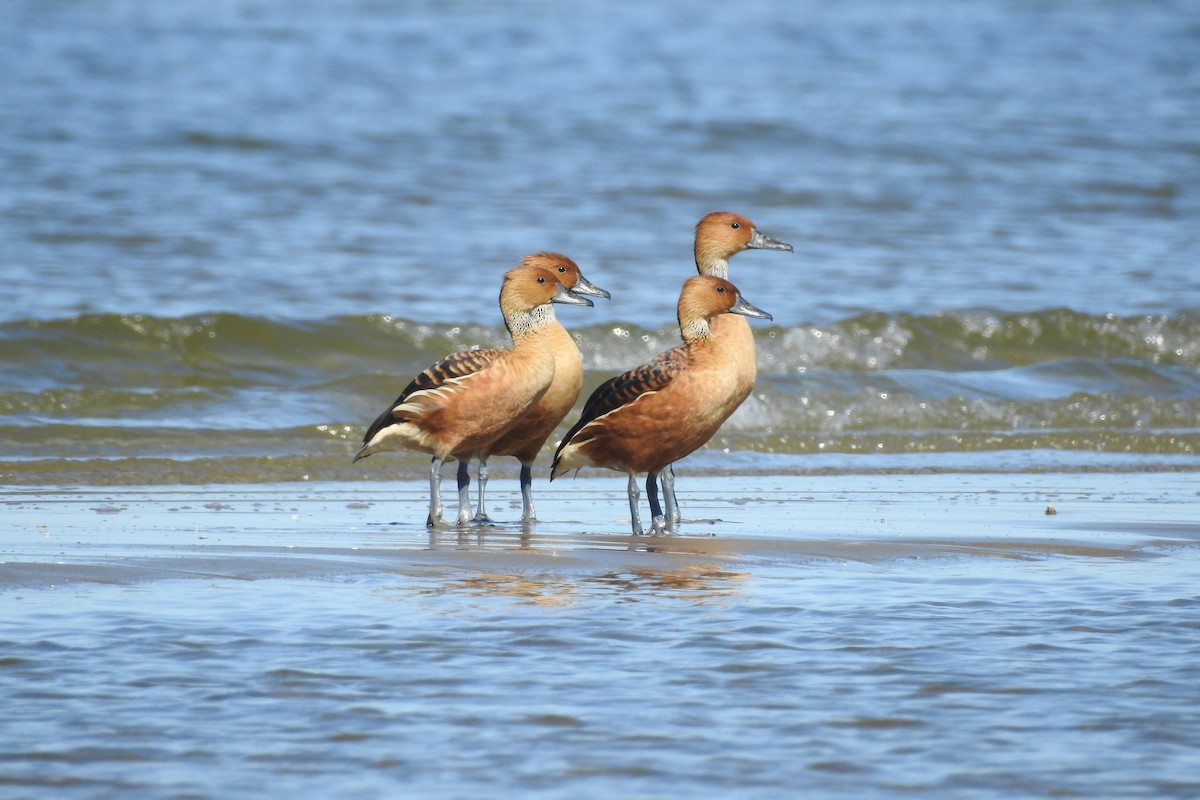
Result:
736,338
527,435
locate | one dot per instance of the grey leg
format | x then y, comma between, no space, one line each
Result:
435,494
527,512
672,502
481,512
464,491
634,514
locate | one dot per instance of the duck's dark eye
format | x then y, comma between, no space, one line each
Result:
735,225
541,279
561,268
720,290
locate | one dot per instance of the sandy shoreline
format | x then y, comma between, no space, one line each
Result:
62,536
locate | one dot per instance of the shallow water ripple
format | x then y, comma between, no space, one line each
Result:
968,678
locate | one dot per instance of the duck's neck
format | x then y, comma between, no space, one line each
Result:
695,331
717,266
526,324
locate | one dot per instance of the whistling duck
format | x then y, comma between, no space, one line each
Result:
525,438
655,414
464,402
719,237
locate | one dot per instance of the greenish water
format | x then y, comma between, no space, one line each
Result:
134,399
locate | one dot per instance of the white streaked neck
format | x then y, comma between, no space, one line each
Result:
533,321
696,330
717,267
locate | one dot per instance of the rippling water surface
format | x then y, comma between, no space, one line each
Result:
912,635
231,231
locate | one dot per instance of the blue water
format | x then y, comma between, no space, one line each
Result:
230,231
321,159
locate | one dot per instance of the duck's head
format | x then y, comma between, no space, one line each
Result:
568,272
721,235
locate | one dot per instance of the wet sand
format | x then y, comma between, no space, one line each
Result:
62,536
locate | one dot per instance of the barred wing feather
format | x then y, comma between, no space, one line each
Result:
628,387
426,390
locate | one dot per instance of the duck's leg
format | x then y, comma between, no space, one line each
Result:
481,513
464,491
434,519
527,512
658,522
634,497
672,502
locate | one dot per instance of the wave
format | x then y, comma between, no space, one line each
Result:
982,339
221,395
232,343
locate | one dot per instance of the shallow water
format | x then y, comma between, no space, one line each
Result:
930,635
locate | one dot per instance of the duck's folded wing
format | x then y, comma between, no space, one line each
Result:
429,389
628,387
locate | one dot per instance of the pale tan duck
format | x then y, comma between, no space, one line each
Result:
528,435
459,406
644,419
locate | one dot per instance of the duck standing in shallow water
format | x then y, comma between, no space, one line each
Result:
719,237
527,436
463,403
655,414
